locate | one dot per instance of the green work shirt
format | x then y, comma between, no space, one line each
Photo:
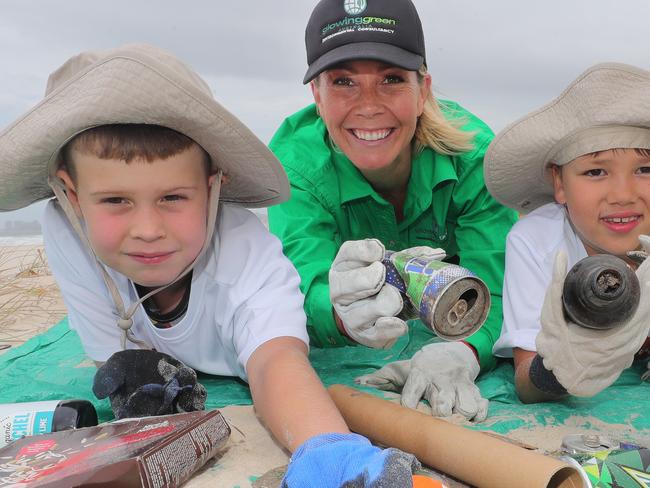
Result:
447,206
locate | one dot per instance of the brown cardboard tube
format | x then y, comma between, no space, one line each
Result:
470,456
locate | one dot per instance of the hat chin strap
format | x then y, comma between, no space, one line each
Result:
125,322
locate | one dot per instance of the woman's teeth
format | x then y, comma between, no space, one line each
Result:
371,135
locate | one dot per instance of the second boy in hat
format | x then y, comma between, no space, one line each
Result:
581,166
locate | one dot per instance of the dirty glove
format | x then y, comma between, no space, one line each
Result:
142,382
336,460
443,373
586,361
366,305
640,255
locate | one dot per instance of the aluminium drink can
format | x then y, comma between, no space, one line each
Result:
449,299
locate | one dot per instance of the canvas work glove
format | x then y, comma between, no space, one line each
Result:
443,373
348,460
143,382
365,304
586,361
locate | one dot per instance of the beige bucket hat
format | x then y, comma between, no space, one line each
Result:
606,107
133,84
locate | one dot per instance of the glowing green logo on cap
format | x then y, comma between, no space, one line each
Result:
354,7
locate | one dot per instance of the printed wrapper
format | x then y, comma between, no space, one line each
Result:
618,468
149,452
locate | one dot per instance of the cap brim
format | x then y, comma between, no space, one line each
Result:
516,163
375,51
135,87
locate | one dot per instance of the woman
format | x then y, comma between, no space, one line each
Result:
379,163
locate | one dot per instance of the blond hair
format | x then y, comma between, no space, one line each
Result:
436,131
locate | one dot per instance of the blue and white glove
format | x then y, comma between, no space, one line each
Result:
335,460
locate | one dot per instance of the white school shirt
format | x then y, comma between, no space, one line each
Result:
531,246
244,293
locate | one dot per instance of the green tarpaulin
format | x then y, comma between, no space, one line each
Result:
53,366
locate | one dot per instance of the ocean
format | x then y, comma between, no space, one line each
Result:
21,240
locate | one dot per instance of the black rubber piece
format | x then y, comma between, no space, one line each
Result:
600,292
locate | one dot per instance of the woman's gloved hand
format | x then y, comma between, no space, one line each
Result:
443,373
335,460
586,361
364,303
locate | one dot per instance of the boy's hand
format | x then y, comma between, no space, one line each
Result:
360,297
586,361
335,460
443,373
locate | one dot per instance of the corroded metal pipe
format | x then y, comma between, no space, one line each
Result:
600,292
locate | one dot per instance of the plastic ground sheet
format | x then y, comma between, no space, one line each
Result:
53,366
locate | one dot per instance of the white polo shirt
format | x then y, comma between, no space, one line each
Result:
531,246
244,293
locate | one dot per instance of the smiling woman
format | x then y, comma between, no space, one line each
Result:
379,163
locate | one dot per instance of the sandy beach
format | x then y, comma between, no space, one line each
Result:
30,301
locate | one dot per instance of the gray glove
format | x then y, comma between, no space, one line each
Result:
443,373
365,303
586,361
360,297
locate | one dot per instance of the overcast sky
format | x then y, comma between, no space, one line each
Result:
499,59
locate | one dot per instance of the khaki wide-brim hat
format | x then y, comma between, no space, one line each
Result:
136,84
607,107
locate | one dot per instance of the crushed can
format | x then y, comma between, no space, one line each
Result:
449,299
604,462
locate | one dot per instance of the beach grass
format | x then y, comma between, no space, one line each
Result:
30,301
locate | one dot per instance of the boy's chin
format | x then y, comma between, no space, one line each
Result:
151,282
618,248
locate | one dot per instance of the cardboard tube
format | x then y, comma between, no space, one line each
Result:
470,456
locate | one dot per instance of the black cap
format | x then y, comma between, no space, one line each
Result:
382,30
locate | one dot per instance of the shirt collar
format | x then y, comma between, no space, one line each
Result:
429,169
352,184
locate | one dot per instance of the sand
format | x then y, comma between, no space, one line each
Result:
30,302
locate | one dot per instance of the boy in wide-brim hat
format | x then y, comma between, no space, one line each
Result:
581,166
135,148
